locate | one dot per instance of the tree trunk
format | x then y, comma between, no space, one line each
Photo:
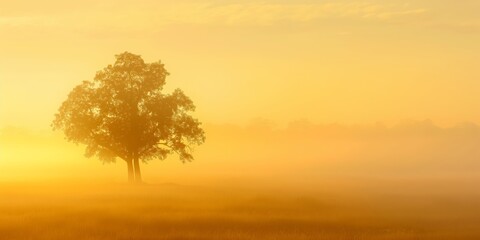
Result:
138,175
131,177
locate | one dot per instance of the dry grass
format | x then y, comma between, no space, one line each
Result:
124,212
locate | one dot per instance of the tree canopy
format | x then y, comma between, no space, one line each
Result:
124,114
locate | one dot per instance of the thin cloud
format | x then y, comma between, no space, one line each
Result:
270,14
250,14
396,14
15,21
468,27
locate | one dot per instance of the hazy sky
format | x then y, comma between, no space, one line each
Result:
327,61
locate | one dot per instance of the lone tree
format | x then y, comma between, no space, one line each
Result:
123,113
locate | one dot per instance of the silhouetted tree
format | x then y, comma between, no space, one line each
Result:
123,113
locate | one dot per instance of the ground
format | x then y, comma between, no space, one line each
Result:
173,211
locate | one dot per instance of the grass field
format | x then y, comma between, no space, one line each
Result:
364,210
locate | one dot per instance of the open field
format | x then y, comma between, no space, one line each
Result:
361,209
413,181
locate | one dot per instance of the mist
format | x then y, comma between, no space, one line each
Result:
295,153
299,181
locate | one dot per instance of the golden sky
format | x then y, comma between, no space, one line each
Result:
327,61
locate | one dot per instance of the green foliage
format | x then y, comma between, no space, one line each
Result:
123,113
